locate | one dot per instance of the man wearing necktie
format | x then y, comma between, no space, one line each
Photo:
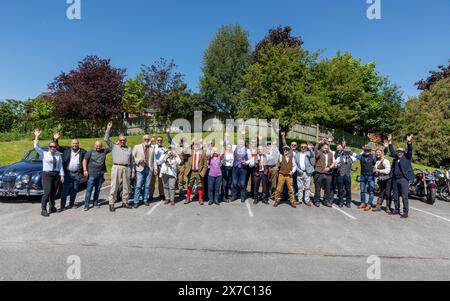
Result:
195,172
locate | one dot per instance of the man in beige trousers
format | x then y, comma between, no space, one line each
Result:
121,169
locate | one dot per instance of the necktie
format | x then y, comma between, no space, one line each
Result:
54,162
195,161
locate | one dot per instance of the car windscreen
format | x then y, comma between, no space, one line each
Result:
33,156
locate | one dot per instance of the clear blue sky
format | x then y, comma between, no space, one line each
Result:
38,41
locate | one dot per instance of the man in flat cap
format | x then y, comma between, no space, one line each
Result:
367,178
402,174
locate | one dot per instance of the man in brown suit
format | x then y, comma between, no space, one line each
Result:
287,170
195,170
260,176
324,174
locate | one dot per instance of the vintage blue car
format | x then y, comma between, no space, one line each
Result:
24,178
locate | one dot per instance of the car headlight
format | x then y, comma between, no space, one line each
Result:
25,179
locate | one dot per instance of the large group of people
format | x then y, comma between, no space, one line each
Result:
209,174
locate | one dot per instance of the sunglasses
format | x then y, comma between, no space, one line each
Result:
122,140
52,147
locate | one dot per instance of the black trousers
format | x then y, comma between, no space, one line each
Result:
385,192
323,181
401,189
258,180
50,183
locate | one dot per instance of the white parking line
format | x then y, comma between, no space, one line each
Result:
345,213
153,208
431,214
250,211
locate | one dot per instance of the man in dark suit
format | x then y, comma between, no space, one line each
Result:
260,177
402,173
73,169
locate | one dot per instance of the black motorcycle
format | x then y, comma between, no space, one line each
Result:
443,185
424,186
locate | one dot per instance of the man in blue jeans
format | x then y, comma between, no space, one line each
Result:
241,162
367,177
145,167
94,168
73,168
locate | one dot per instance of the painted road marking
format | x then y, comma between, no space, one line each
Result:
345,213
153,208
431,214
249,208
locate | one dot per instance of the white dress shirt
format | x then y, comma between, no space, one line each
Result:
47,160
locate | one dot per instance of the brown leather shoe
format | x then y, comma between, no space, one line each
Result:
126,206
276,204
362,206
368,208
166,202
293,206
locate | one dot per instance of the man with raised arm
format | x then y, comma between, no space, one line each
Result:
402,174
121,169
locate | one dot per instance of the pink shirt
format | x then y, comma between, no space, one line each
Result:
215,165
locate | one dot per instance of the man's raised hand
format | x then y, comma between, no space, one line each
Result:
37,133
410,138
56,135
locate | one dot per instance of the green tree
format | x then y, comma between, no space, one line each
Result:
428,116
354,93
134,94
11,112
224,63
277,86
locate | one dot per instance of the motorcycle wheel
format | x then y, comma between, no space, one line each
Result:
444,194
431,196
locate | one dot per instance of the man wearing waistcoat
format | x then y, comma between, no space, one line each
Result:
323,176
304,161
344,165
287,170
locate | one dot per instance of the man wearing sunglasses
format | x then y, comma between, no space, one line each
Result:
121,170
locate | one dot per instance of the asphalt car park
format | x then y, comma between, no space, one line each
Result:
236,241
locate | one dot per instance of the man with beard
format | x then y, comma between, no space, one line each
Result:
403,174
73,169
